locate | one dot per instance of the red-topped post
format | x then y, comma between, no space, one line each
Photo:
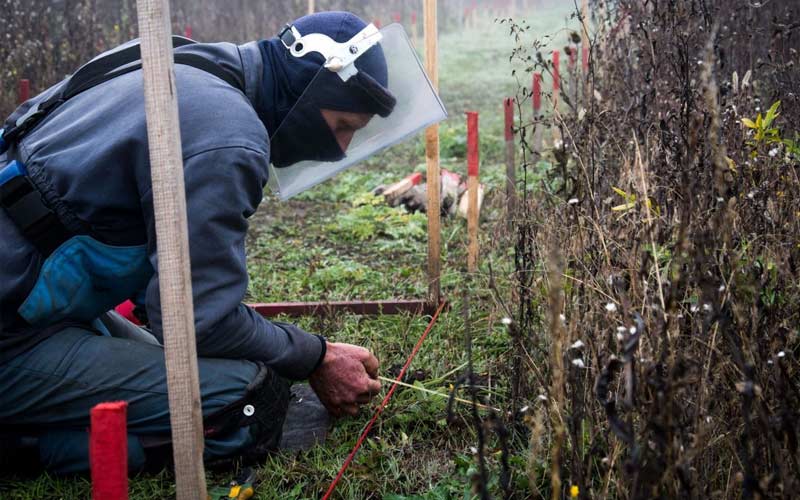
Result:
108,451
536,92
23,90
187,31
472,190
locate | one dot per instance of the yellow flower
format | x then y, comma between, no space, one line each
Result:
574,491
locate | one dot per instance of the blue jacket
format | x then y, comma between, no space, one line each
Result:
90,159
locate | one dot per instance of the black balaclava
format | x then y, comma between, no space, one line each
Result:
306,136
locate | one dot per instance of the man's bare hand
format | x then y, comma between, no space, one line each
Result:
346,379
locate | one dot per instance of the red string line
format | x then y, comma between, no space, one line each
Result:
383,404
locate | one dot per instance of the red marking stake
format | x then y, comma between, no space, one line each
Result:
187,31
23,90
377,23
508,107
108,451
573,57
472,190
397,17
472,143
537,93
414,18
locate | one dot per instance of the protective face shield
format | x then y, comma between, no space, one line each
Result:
377,79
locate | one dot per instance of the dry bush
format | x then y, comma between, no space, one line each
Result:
45,40
665,239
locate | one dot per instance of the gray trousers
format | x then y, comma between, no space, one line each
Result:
48,392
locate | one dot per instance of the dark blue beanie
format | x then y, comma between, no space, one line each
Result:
286,77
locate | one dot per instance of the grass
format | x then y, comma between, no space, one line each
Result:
323,245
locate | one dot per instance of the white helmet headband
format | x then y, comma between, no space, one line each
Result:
339,57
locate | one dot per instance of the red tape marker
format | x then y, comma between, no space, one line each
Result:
472,143
23,90
397,17
573,56
556,77
413,18
537,93
108,451
383,404
187,31
508,107
377,23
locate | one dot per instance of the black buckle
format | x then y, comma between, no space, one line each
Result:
35,219
287,37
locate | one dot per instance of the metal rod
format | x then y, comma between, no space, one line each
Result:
363,307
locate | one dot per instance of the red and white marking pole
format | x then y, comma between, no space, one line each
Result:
511,173
472,190
108,451
23,90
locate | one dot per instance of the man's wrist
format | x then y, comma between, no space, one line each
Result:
323,351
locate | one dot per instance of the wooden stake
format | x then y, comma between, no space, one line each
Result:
310,7
472,190
432,157
511,172
556,77
585,51
537,114
169,205
23,90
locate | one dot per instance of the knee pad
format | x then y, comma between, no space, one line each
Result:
262,409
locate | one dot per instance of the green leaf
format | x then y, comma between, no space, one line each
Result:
749,123
772,113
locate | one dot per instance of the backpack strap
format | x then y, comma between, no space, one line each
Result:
101,70
19,197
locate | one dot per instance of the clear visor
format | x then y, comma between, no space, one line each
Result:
309,157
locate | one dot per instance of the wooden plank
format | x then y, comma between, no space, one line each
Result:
472,191
360,307
169,203
432,158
